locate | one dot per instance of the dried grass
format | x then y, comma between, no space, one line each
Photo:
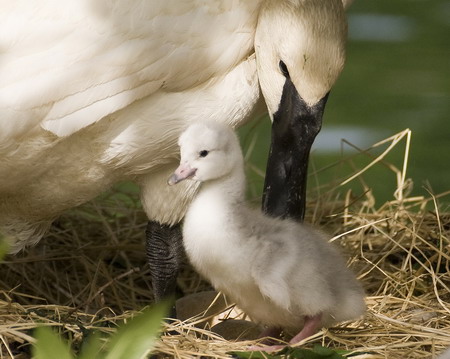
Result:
90,272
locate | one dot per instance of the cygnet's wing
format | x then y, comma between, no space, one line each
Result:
273,257
270,272
290,265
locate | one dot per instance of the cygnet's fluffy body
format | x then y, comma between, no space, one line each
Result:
278,271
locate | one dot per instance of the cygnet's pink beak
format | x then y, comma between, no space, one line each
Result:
184,171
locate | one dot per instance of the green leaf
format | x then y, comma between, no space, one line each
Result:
255,355
49,345
318,352
137,337
332,353
91,347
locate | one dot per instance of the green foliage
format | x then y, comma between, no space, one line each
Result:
132,340
49,345
91,347
318,352
138,336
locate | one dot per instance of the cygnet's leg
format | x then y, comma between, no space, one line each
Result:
309,328
164,253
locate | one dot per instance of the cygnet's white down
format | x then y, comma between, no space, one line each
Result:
283,274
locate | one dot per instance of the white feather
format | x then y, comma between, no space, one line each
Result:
97,91
82,60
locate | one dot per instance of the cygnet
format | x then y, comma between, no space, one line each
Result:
283,274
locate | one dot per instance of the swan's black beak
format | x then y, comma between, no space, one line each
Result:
294,128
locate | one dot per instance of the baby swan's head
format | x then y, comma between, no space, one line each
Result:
209,151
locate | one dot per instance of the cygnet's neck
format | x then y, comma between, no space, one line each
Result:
231,186
229,189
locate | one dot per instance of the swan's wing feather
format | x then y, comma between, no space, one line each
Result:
66,65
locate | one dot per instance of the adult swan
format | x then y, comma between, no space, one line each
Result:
97,91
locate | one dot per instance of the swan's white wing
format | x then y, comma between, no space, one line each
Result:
67,64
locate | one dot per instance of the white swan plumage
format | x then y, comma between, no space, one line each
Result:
94,92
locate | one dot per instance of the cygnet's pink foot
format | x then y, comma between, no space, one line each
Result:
309,328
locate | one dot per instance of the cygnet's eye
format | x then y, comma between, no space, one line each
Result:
283,69
203,153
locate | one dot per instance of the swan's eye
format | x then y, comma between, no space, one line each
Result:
203,153
283,68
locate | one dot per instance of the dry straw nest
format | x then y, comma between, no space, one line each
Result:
90,272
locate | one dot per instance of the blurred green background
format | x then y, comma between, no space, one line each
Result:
397,76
